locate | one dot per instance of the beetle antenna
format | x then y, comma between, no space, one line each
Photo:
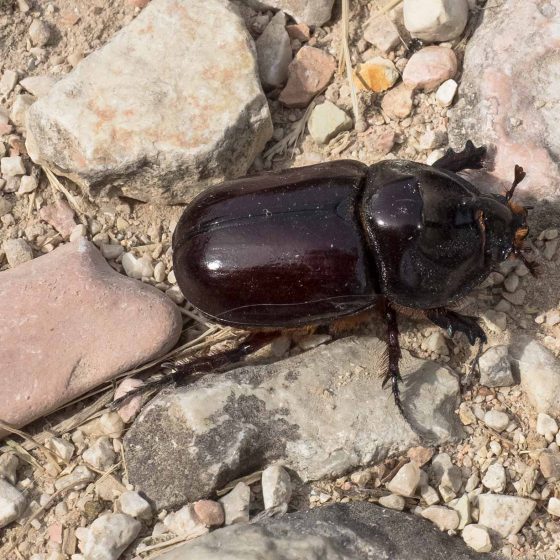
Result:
519,176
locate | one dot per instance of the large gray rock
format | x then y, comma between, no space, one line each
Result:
160,111
357,531
312,12
538,369
510,95
322,413
69,323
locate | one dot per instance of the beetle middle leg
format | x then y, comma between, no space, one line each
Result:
394,351
469,158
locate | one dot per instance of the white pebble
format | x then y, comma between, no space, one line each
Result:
446,92
554,507
111,251
236,504
12,166
495,478
101,454
444,518
12,503
78,232
17,252
61,447
406,481
109,536
8,467
159,272
546,426
27,184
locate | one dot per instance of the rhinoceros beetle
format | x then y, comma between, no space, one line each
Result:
311,245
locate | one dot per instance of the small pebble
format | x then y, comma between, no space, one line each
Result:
12,503
554,507
546,425
406,481
477,537
444,518
12,166
496,420
39,33
446,93
17,252
276,486
134,505
210,513
236,504
495,478
392,501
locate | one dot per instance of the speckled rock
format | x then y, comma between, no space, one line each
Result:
509,97
295,411
312,12
274,52
92,324
357,531
189,113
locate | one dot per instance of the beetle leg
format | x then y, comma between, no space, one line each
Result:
394,350
454,322
469,158
174,371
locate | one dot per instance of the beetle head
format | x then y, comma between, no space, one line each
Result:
505,224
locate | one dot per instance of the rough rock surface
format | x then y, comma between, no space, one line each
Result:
320,413
509,95
189,111
312,12
82,322
435,20
539,372
358,531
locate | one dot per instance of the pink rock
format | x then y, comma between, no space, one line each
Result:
130,408
60,216
397,102
70,323
309,72
430,67
299,31
509,98
209,512
55,532
382,33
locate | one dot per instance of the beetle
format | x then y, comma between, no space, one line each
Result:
311,245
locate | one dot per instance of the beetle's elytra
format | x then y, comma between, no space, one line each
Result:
309,245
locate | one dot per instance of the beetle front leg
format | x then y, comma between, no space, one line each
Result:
394,351
469,158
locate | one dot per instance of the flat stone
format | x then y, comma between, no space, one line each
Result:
429,68
392,501
77,479
294,411
309,73
274,52
397,102
546,425
17,252
376,74
185,522
504,514
509,97
311,12
39,86
188,112
12,503
20,108
276,486
357,531
477,538
12,166
326,121
9,464
236,504
444,518
435,20
131,503
539,372
85,324
382,33
496,419
8,82
495,320
549,463
60,216
299,31
554,507
109,536
462,506
495,368
406,481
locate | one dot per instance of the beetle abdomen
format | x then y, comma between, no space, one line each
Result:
276,250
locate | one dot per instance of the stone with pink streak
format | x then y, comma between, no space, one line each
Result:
430,67
60,216
70,323
509,97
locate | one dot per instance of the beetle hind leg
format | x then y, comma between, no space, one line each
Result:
175,371
394,354
469,158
